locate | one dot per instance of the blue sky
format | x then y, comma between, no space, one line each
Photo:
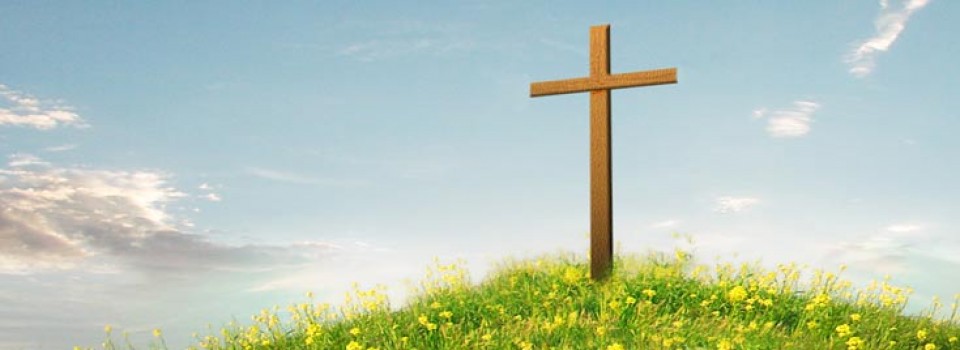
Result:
177,164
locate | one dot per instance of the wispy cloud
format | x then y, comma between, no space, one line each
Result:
20,109
889,24
665,224
789,122
903,228
726,205
61,148
897,249
298,179
393,39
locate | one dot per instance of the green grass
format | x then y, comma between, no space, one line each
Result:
651,302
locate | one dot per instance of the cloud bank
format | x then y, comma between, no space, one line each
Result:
57,218
889,24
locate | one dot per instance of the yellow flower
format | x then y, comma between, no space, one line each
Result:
571,275
930,346
601,330
487,337
355,331
922,334
952,339
649,292
157,333
812,324
724,345
615,346
631,301
854,342
855,317
435,305
354,346
737,294
446,314
843,330
107,329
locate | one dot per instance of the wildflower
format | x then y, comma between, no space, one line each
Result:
487,337
855,317
812,324
355,331
921,335
854,343
724,345
354,346
952,340
107,329
601,330
615,346
446,314
157,333
930,346
737,294
649,292
571,275
435,305
843,330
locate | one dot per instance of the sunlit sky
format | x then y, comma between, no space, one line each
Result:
177,164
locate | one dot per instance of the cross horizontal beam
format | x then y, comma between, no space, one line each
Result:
604,82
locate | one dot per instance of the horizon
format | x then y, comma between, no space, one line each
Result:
176,165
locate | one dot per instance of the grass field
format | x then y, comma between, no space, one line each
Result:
656,301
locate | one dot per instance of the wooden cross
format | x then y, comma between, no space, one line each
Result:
599,83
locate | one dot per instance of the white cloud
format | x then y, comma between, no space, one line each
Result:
665,224
61,148
789,122
759,113
889,24
727,205
54,216
213,197
20,109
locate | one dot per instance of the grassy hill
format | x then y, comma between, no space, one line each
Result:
655,301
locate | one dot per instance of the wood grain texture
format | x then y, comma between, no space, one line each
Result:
599,84
601,187
601,215
609,82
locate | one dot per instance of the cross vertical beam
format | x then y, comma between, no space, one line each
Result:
601,188
599,83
